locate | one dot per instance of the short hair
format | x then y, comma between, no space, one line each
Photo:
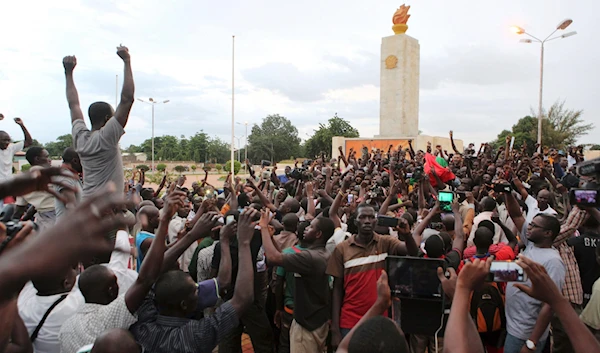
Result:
171,288
409,218
326,226
435,246
91,278
290,222
488,204
69,154
552,224
487,224
33,152
98,112
363,205
378,335
448,221
294,205
115,340
484,237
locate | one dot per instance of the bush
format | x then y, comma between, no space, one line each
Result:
180,169
161,167
206,168
25,167
143,167
236,166
218,167
194,167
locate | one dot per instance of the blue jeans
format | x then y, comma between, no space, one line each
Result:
513,344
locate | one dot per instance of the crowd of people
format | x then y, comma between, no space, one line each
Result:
297,260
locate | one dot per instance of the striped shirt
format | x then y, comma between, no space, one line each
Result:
572,288
168,334
360,267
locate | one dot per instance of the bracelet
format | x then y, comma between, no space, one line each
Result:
341,194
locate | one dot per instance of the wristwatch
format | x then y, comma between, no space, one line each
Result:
530,345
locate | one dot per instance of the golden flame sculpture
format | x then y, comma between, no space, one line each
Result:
400,18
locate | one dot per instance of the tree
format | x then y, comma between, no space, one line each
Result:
161,167
320,142
143,167
179,169
57,147
595,148
274,139
236,167
218,167
568,124
194,167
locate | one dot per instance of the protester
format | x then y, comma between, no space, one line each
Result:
71,163
8,150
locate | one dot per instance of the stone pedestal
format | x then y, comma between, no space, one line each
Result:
399,87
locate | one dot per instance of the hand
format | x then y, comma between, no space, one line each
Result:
474,273
18,121
1,116
542,287
69,63
246,226
173,202
265,219
181,180
228,231
448,284
123,53
403,228
384,296
346,183
251,183
41,180
310,189
451,133
17,238
341,149
437,208
455,206
205,224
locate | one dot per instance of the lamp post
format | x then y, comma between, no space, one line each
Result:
152,102
239,145
232,102
245,140
561,26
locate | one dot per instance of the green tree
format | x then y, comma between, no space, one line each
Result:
143,167
194,167
236,167
218,167
161,167
25,167
274,139
179,169
568,125
320,141
595,148
56,148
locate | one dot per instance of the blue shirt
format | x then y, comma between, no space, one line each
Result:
139,239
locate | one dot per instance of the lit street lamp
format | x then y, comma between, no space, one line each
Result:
152,102
561,26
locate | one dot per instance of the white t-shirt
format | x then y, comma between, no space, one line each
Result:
6,159
32,308
119,260
534,210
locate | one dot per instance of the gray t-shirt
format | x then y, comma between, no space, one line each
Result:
59,206
100,155
522,311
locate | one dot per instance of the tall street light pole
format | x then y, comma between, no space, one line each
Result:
152,102
232,103
245,141
561,26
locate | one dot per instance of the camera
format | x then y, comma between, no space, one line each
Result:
265,163
418,173
503,187
300,174
387,221
589,168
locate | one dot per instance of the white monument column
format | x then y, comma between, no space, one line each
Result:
399,81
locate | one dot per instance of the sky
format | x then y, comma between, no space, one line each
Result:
303,60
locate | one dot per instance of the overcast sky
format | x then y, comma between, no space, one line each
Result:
303,60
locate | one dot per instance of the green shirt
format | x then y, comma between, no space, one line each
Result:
288,294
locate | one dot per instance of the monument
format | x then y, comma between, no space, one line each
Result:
399,95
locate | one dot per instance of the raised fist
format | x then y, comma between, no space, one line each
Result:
69,62
123,53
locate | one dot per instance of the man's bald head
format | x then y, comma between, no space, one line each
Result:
116,341
148,217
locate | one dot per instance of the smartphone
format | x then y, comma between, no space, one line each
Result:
229,219
584,197
506,271
387,221
462,196
502,188
445,198
350,198
414,277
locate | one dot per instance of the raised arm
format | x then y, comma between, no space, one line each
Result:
265,201
335,206
127,92
311,199
514,211
151,267
69,63
28,140
273,255
227,233
452,142
459,236
244,293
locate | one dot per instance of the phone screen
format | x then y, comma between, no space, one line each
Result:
446,199
229,219
507,271
413,277
585,197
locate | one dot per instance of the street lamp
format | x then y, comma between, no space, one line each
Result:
239,145
245,140
519,30
152,102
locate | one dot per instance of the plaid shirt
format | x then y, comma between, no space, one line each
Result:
572,288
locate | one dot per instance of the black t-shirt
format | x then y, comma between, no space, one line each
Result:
584,248
255,245
311,294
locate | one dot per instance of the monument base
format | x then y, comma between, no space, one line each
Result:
383,143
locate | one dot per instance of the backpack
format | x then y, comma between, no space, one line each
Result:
487,308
